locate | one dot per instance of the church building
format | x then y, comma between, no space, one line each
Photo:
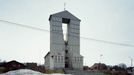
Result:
64,53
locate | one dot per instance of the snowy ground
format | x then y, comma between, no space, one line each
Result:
27,72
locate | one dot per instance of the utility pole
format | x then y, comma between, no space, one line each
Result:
99,66
100,57
131,62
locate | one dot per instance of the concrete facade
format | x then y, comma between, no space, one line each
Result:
64,53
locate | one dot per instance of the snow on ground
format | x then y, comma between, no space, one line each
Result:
28,72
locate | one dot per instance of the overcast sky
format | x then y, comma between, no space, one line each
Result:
109,20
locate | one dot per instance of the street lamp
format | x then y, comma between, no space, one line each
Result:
131,61
99,66
100,57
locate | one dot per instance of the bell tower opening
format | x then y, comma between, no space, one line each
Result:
65,23
65,32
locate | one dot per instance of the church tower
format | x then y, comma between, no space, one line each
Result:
64,53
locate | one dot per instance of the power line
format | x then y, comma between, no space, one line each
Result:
24,26
92,39
109,42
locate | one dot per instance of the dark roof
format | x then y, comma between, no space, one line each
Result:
64,14
47,54
12,65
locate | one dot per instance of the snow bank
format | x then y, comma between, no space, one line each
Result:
28,72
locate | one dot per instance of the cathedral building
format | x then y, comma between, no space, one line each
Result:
64,53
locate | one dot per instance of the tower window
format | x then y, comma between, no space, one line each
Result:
66,51
65,20
64,28
65,23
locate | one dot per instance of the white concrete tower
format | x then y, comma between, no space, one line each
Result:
64,53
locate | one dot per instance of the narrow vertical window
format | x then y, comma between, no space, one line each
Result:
61,58
64,28
58,58
55,58
65,23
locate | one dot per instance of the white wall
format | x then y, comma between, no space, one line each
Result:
57,46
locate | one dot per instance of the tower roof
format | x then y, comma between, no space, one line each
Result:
64,14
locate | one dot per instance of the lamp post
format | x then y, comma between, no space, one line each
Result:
131,61
99,66
100,57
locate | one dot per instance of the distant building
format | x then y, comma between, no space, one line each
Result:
64,53
86,68
133,71
31,65
35,67
12,65
98,66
